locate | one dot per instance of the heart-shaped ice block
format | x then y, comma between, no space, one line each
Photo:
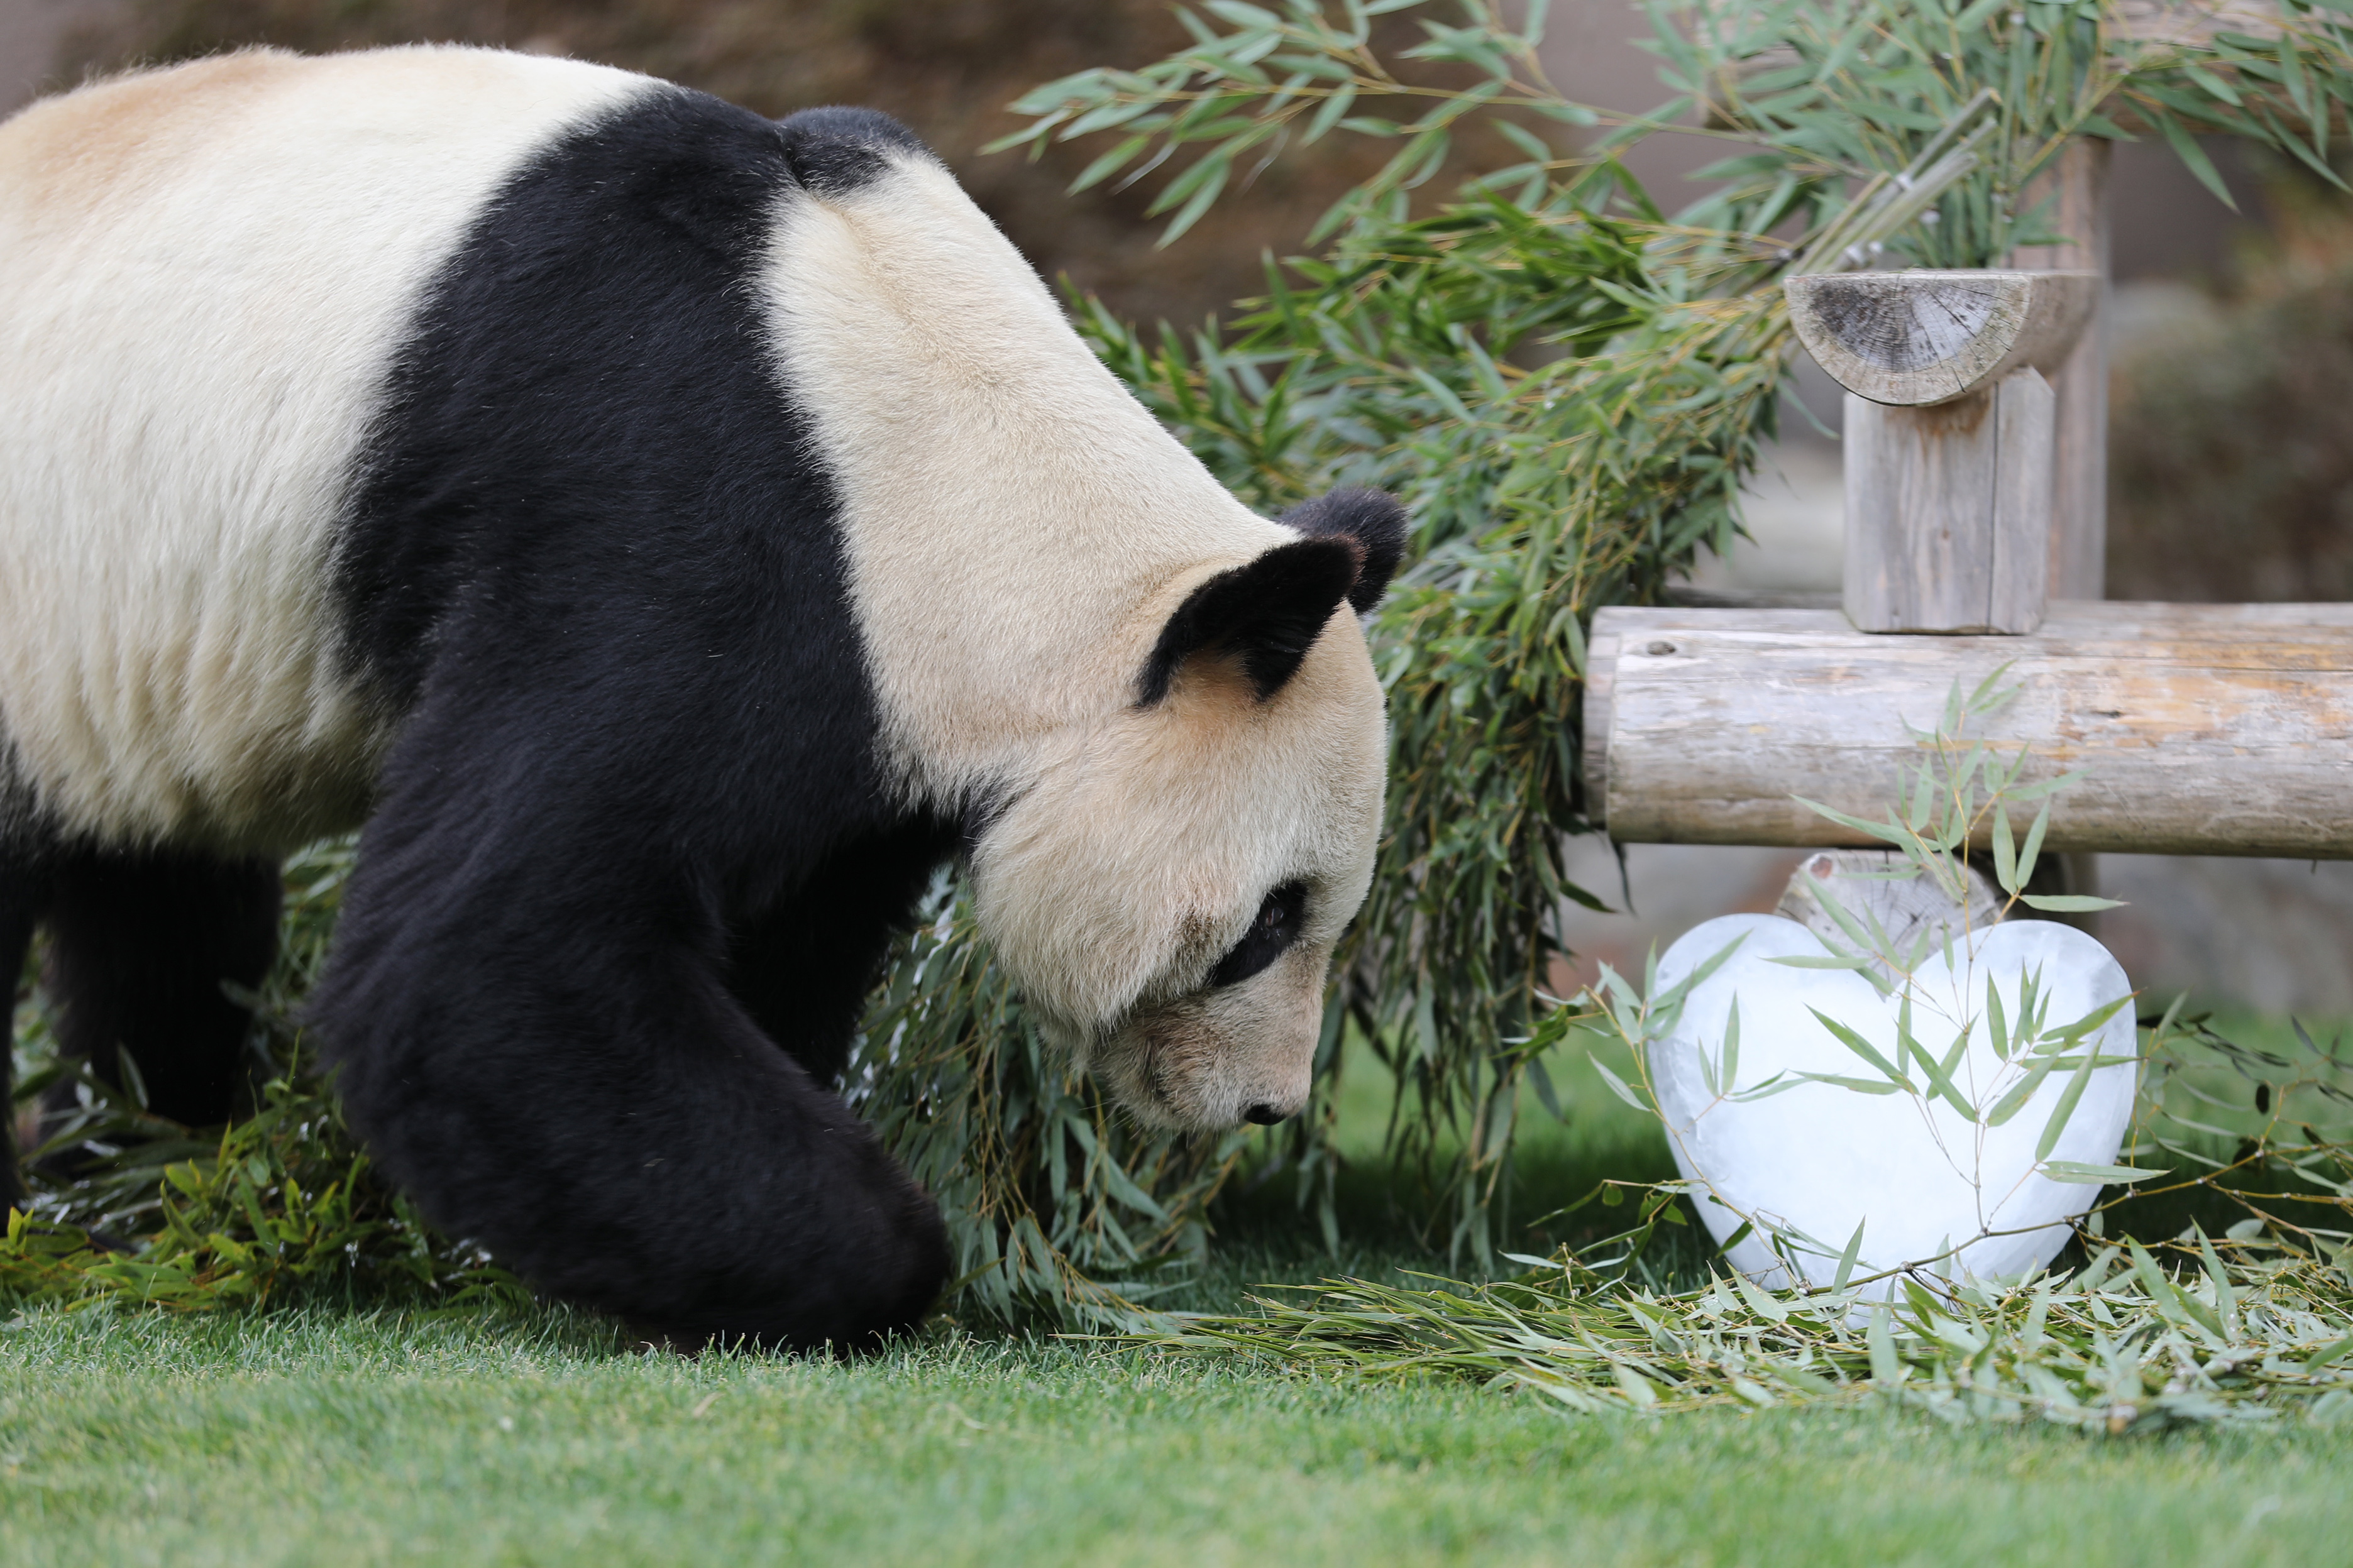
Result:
1816,1159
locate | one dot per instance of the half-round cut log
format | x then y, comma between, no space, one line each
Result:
1910,339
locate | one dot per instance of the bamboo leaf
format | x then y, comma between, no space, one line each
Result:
2060,1113
2096,1175
1619,1086
1847,1259
2193,158
2069,903
1854,1042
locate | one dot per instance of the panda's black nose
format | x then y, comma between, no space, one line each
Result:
1264,1115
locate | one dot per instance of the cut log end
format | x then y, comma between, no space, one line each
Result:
1911,339
1870,889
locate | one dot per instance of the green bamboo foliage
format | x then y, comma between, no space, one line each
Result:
2243,1161
2251,1330
1058,1207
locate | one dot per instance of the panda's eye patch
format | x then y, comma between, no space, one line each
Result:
1271,930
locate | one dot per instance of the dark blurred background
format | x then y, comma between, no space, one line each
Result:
2232,435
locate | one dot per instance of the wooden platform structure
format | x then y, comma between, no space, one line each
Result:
1976,486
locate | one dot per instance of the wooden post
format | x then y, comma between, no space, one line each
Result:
2206,729
1871,888
2079,506
1949,437
1960,495
2078,191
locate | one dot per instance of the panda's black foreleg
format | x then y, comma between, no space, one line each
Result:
140,945
20,901
803,967
536,1039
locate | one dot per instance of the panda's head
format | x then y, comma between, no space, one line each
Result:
1170,883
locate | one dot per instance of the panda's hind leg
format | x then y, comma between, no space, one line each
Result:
140,945
20,901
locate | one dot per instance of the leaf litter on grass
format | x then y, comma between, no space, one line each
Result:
2118,1345
2246,1315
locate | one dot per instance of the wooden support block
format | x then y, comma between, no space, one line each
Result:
1948,511
1911,339
2206,729
1949,433
2077,190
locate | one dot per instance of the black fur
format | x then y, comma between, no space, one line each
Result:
141,945
1373,521
1267,612
835,150
20,902
787,967
1271,933
593,560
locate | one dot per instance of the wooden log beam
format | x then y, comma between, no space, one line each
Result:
2206,729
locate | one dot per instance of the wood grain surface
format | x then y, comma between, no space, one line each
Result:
2205,729
1867,885
2076,187
1948,511
1923,337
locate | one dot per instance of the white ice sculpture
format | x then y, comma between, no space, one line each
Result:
1818,1159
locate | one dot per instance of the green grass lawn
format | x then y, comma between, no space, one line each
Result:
311,1438
326,1436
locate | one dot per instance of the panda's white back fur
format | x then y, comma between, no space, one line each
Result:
207,270
995,452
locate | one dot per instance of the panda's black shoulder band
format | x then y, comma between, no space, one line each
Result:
834,152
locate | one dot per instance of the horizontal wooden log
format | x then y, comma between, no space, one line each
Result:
1919,338
2192,24
2206,729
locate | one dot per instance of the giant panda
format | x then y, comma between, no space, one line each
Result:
670,534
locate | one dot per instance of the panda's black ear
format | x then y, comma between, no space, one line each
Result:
1373,521
833,152
1267,612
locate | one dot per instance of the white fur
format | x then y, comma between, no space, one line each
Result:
203,272
1018,527
1018,530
